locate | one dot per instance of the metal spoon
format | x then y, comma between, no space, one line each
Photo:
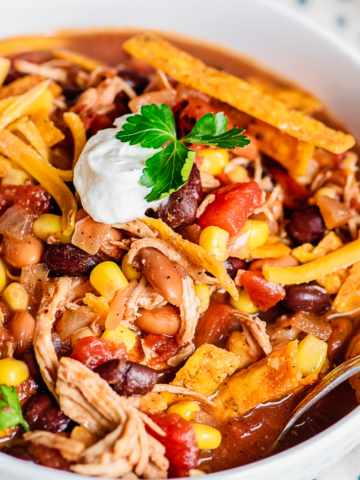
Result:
326,384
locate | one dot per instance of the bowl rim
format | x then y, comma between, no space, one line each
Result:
34,471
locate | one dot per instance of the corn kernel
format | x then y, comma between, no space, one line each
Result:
185,408
214,240
325,192
13,372
213,160
120,335
129,270
16,177
203,294
47,224
238,174
98,304
2,276
82,434
15,297
84,332
107,278
208,438
244,303
311,355
259,232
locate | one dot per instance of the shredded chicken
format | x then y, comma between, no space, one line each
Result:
137,228
150,299
54,440
126,447
54,299
204,204
182,391
181,355
54,73
189,312
124,244
197,273
265,206
208,182
257,328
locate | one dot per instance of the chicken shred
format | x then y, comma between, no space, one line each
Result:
137,228
257,328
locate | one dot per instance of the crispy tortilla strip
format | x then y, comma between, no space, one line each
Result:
270,379
50,134
293,154
273,248
31,133
24,84
348,297
293,99
236,92
80,60
77,129
5,64
194,253
22,154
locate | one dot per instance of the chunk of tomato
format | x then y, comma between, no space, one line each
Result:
263,293
232,207
92,351
164,346
181,448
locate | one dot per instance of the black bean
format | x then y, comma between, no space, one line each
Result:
136,80
308,299
306,226
233,264
128,378
40,414
19,452
69,260
181,208
30,360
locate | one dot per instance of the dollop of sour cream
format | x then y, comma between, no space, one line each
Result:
107,178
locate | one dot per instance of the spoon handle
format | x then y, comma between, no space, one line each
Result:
329,382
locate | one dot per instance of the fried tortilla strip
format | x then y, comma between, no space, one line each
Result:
273,248
5,64
24,84
293,154
77,129
49,133
270,379
236,92
80,60
195,254
348,298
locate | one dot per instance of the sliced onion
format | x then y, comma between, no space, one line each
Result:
73,320
308,323
89,235
33,278
16,222
333,212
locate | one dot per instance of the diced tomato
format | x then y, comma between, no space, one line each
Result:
232,207
34,198
213,324
181,448
189,111
295,195
92,351
164,346
263,293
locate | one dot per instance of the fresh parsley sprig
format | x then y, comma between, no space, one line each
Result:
168,170
10,409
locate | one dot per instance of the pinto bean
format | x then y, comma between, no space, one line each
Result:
181,208
234,264
21,327
69,260
306,226
308,299
160,272
22,253
287,261
128,378
159,321
339,339
40,414
214,325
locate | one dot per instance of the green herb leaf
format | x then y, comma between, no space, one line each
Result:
10,409
151,129
167,171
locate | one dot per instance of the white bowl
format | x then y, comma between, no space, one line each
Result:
279,39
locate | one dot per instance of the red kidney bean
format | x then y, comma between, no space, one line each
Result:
19,452
40,414
49,457
136,80
69,260
181,208
308,299
306,226
233,264
128,378
30,360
